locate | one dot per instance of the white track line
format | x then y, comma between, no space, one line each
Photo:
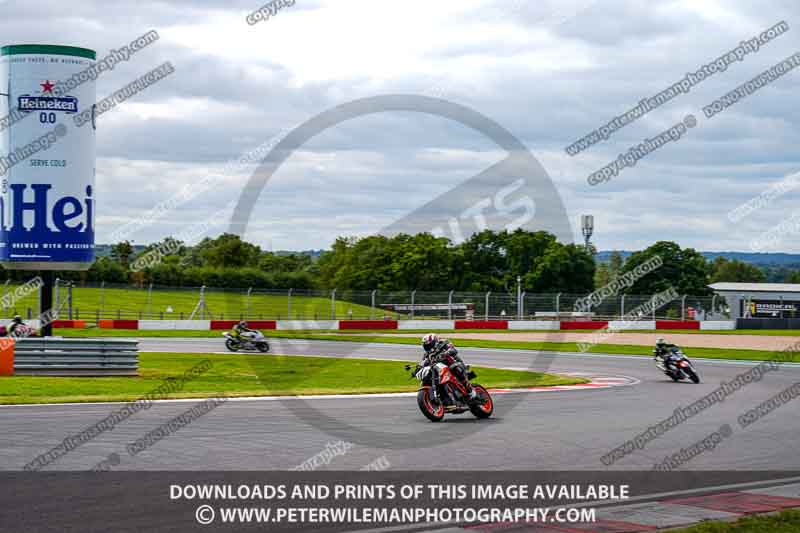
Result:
626,382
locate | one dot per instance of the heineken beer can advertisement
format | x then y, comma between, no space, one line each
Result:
47,161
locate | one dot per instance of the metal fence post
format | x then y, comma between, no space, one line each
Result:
622,307
713,300
5,293
333,304
558,304
522,305
413,295
102,295
56,305
69,299
247,305
289,305
487,306
519,297
150,299
450,305
372,305
683,307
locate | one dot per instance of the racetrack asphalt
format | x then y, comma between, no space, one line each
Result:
529,431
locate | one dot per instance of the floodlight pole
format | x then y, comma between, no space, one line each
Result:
587,228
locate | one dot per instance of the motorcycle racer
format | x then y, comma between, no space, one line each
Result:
241,330
442,350
663,351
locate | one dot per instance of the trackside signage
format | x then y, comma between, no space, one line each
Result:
47,167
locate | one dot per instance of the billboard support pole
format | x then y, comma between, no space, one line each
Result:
46,302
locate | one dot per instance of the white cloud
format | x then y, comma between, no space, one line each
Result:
550,72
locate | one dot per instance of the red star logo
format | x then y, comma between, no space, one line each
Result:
47,87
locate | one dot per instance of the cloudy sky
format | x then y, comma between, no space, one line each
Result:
550,72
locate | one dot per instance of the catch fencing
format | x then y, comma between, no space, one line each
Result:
93,302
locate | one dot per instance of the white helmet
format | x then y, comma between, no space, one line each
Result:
429,341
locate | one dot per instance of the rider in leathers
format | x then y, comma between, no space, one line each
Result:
241,331
443,350
663,351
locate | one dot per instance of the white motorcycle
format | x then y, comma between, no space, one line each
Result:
254,341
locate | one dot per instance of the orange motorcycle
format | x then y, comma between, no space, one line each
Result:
441,392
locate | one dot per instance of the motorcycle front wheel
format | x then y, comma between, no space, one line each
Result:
433,410
484,407
231,345
692,375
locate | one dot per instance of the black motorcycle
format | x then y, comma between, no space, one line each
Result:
677,366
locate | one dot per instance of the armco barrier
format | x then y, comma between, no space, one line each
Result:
545,325
252,324
76,357
677,324
368,324
584,324
430,325
307,324
194,325
631,325
481,324
718,324
117,324
74,324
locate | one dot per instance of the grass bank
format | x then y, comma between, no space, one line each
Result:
784,522
248,375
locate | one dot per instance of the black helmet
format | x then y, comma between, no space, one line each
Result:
17,319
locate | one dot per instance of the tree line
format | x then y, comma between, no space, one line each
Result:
487,261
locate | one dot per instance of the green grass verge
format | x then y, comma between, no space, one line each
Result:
230,304
248,375
784,522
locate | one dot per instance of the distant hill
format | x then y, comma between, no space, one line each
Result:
760,259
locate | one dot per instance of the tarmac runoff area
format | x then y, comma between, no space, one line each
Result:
697,340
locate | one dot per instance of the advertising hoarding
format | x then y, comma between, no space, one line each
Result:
47,164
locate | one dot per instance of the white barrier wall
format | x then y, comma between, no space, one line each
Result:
626,325
426,324
718,324
307,324
534,324
195,325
